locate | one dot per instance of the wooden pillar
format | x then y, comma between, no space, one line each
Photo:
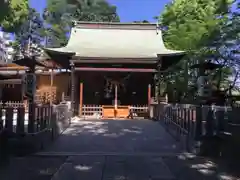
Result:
51,89
115,101
23,86
116,97
72,88
159,79
63,96
155,82
31,90
81,99
149,94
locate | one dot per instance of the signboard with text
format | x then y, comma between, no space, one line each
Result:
29,85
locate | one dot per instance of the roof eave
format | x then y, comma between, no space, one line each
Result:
172,53
59,51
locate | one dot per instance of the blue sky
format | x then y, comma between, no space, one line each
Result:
128,10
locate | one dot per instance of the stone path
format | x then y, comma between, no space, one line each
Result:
31,168
116,167
114,150
113,167
114,136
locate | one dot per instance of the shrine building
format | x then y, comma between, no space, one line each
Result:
106,69
113,64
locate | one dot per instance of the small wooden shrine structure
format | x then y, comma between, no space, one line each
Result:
13,81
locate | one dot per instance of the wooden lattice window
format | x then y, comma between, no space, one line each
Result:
46,94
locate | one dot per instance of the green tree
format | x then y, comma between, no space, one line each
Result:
224,49
92,10
60,14
31,32
56,26
12,14
191,25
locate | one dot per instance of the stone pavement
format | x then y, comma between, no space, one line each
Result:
113,167
114,150
116,167
114,136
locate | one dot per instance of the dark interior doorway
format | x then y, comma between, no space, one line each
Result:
99,87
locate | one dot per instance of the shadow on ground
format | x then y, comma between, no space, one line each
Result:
188,166
101,167
116,150
123,136
31,168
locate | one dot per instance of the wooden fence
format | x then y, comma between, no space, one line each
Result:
96,111
92,111
139,108
21,134
140,111
16,119
220,122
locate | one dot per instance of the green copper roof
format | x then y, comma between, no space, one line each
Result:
115,40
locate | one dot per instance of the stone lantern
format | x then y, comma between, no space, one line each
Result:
205,97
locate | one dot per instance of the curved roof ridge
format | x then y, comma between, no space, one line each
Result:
116,40
114,25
